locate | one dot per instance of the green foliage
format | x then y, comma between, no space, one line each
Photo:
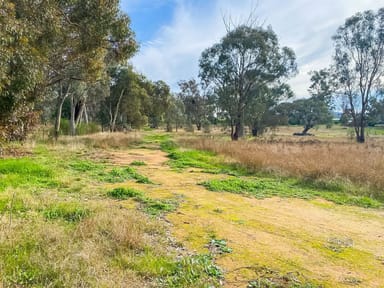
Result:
247,60
102,173
138,163
269,187
12,205
125,193
25,172
195,271
148,264
21,268
81,129
67,211
85,165
152,207
208,161
358,78
219,246
376,112
157,138
307,112
118,175
196,104
168,146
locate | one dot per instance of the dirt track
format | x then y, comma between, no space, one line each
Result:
288,235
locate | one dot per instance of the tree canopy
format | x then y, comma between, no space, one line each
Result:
359,64
246,59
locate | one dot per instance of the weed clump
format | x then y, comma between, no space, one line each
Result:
218,246
124,193
194,271
154,207
138,163
118,175
69,212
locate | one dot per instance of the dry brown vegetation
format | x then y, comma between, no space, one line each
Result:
82,256
102,140
314,160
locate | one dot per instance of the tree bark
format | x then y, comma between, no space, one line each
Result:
72,122
306,129
360,135
239,128
59,110
113,124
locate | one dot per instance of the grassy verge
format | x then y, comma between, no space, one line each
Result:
107,173
335,190
153,207
270,187
208,162
58,230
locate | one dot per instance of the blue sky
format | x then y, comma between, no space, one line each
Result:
173,33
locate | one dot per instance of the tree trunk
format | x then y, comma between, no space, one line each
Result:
360,135
169,127
72,122
79,111
59,110
113,124
86,115
306,129
239,128
255,132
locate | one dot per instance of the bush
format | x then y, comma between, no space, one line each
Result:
81,129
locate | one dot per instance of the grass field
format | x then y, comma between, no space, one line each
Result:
154,209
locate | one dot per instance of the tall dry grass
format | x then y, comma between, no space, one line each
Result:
359,163
53,254
102,140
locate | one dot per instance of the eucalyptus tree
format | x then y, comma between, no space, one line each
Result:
196,102
56,46
260,113
245,59
96,34
160,101
359,64
20,72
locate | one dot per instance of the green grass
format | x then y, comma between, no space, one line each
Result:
219,246
147,264
154,207
118,175
22,269
85,166
270,187
138,163
16,205
104,173
68,211
207,161
194,271
23,172
156,138
375,131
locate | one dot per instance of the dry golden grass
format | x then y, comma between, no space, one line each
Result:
102,140
313,159
60,256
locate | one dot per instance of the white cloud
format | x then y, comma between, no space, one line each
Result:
304,25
